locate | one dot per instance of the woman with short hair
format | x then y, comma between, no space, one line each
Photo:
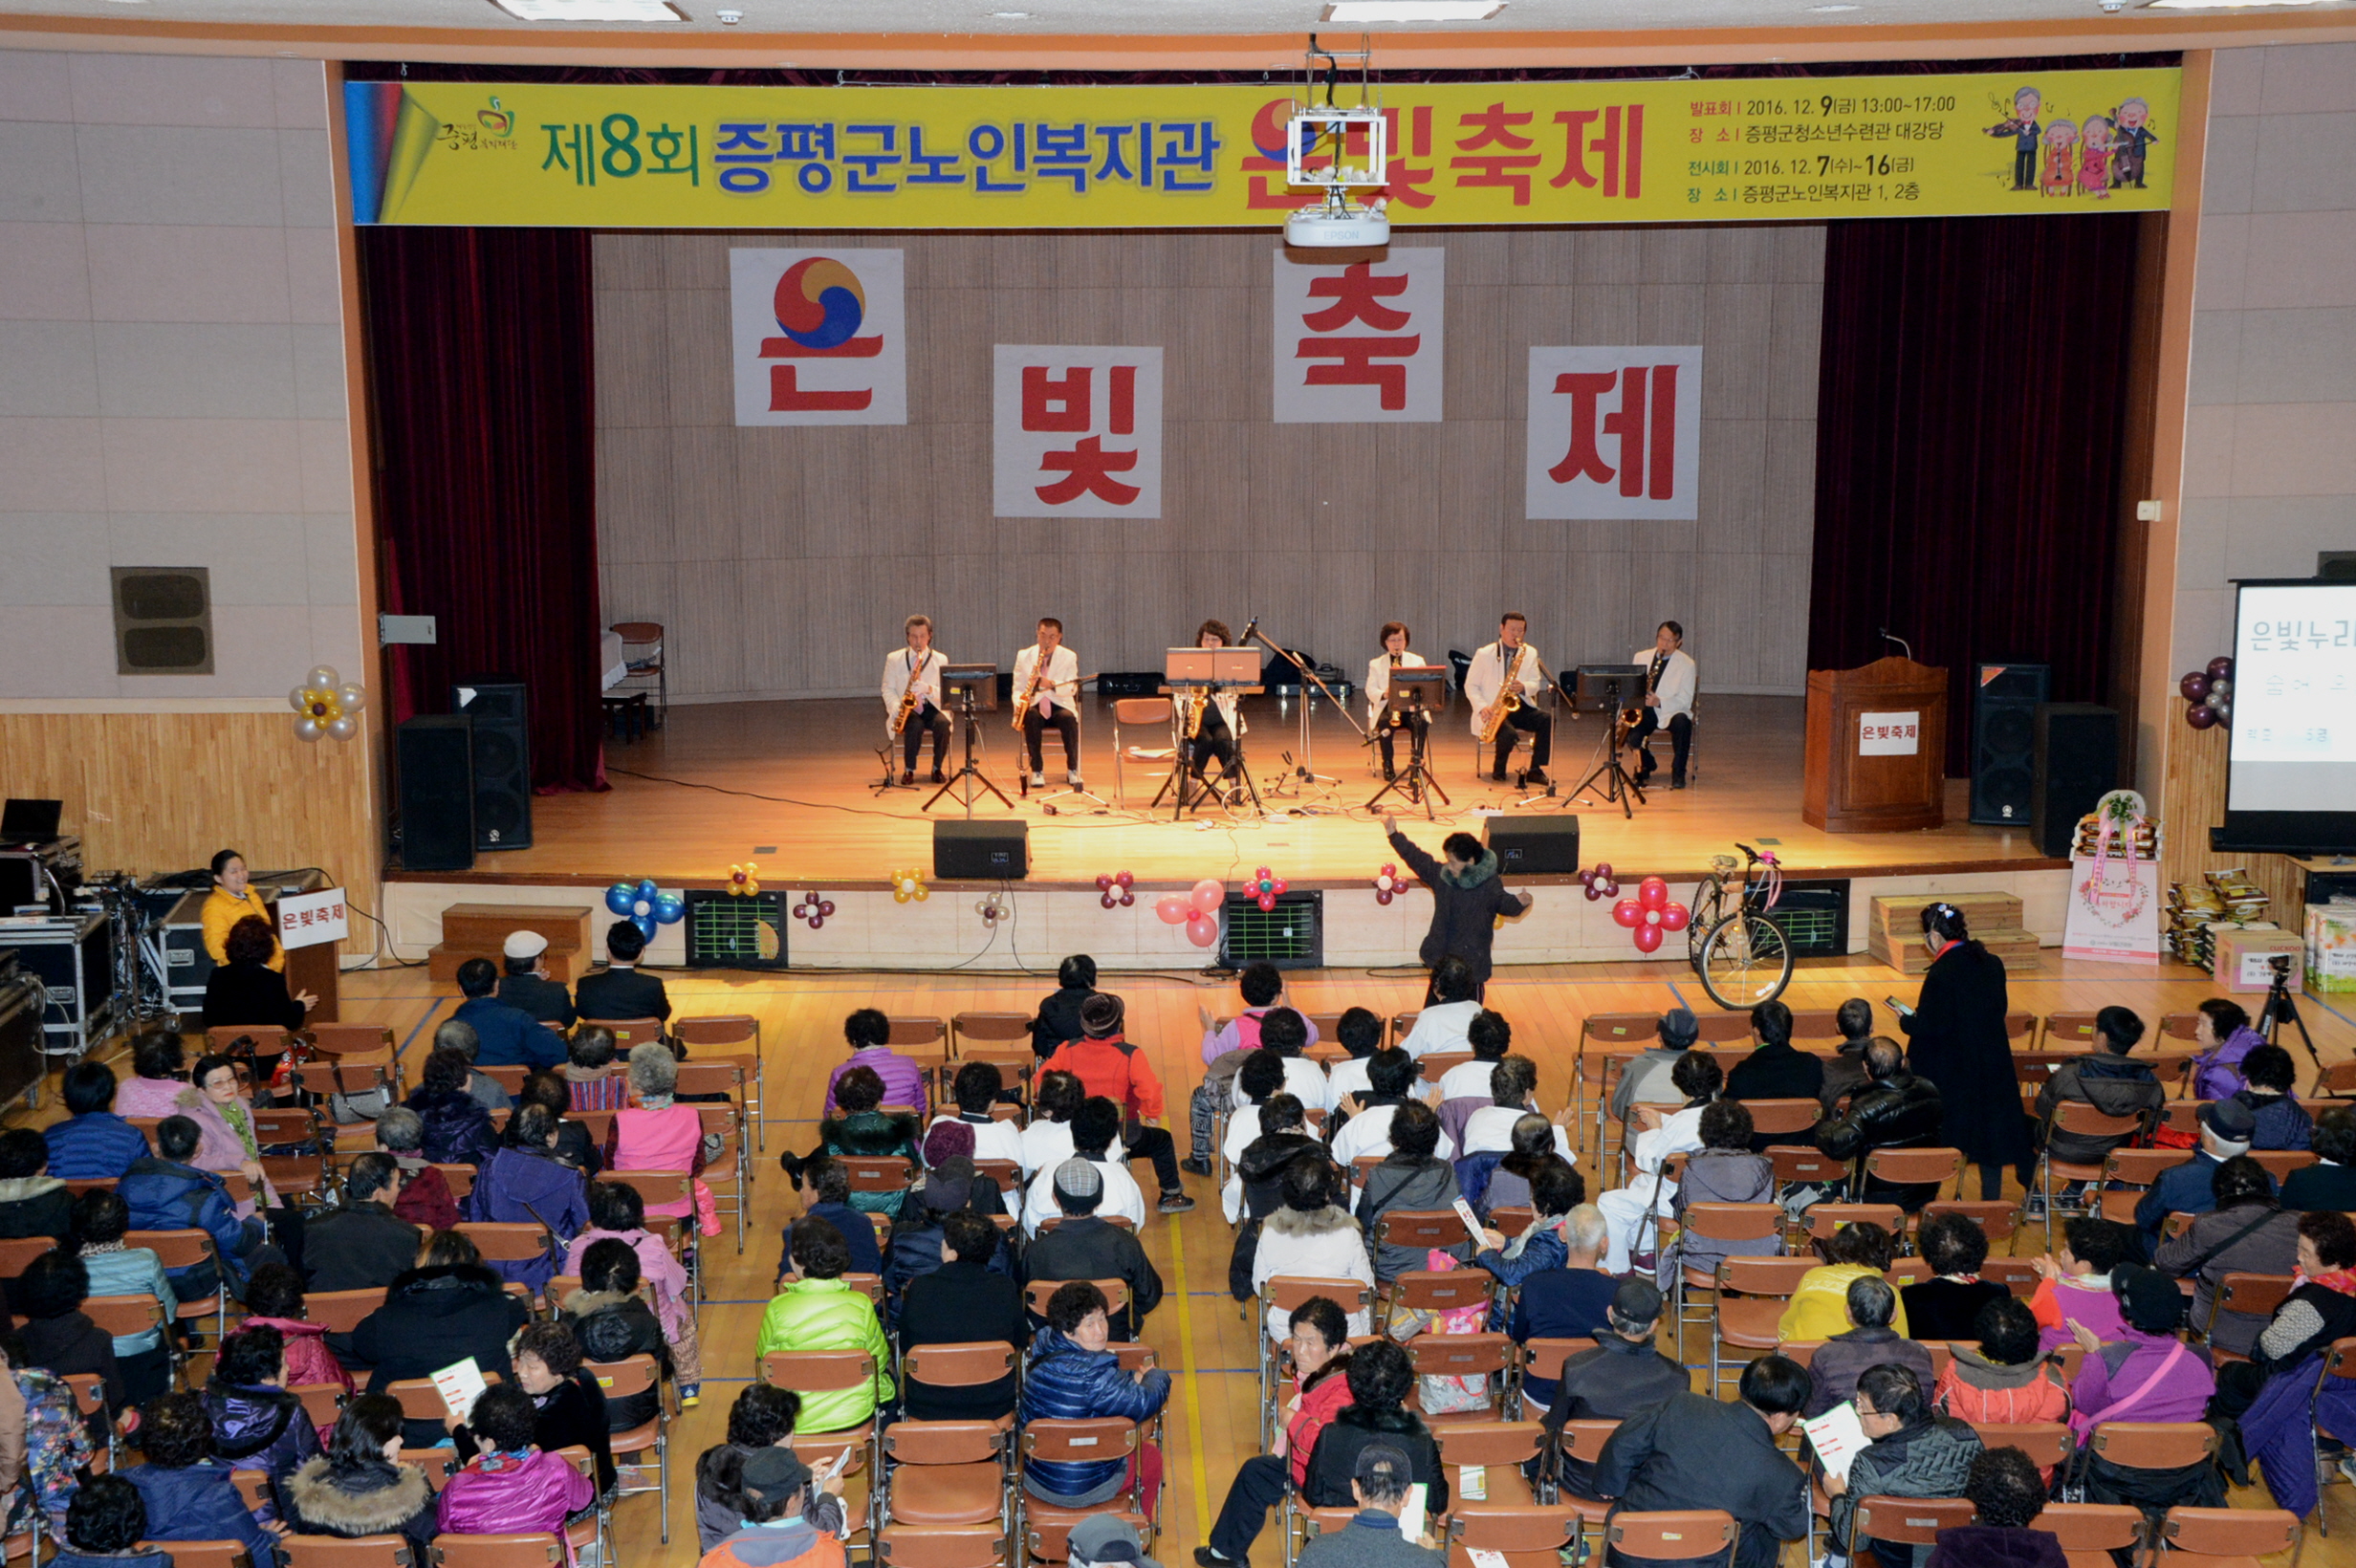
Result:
660,1134
190,1491
247,990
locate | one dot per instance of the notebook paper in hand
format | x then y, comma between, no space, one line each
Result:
460,1386
1838,1438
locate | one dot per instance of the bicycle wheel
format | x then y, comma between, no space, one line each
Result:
1708,908
1745,961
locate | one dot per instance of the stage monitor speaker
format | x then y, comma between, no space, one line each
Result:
2077,757
2004,701
436,755
1528,845
981,851
498,708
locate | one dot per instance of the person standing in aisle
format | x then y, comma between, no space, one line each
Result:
1468,895
1960,1043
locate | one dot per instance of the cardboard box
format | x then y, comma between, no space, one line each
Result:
2331,947
2242,958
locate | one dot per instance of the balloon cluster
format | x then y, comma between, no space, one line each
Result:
645,905
992,909
908,885
742,883
814,909
1388,884
1197,910
1113,888
1599,882
1652,912
324,705
2209,692
1263,889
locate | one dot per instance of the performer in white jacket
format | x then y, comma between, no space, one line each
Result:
919,664
1484,687
1054,701
1395,655
1670,677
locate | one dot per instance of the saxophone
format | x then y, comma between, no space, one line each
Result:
1195,706
910,698
1508,700
1030,692
1392,720
1631,717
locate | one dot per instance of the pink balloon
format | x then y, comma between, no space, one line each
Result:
1652,892
1628,912
1267,902
1677,917
1201,930
1174,908
1648,939
1207,895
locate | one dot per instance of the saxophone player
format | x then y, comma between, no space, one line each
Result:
1047,686
1669,676
1508,668
1395,655
912,697
1214,737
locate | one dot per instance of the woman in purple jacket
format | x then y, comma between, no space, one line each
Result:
511,1485
525,1182
2224,1037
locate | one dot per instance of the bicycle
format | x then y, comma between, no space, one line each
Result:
1742,956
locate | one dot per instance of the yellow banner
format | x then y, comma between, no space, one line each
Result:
1213,156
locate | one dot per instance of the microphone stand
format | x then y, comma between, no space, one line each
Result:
1304,772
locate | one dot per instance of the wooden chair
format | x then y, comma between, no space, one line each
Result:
2222,1535
1622,1034
2089,1532
1782,1118
362,1552
974,1365
178,1250
205,1554
629,1032
506,1077
2078,1118
17,1253
355,1041
1039,1292
2279,1164
879,1172
266,1040
1909,1167
1909,1521
1997,1219
1583,1441
1422,1290
942,1546
1672,1536
1045,1526
1519,1534
707,1034
624,1379
1752,1293
1825,1218
827,1372
2048,1444
505,1551
2154,1445
950,1473
2255,1295
1503,1447
925,1040
1485,1355
1717,1222
510,1241
1047,1532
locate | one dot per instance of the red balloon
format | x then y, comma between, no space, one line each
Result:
1102,880
1124,879
1201,930
2200,718
1127,898
1677,917
1628,912
1174,908
1602,869
1280,884
2220,669
1106,898
1594,892
1267,902
2194,688
1652,892
1381,895
1648,939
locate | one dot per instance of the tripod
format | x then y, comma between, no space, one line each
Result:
968,781
1303,773
1411,700
1185,790
1620,786
2279,1009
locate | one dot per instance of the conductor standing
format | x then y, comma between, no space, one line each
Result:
1468,895
1959,1042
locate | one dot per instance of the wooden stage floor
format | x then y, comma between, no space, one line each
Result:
789,785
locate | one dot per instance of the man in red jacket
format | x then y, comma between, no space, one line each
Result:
1108,1065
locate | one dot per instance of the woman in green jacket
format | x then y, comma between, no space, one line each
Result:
820,1311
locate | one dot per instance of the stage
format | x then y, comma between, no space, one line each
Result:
789,786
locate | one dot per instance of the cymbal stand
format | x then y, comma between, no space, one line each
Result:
968,782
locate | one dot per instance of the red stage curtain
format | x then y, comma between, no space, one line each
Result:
480,358
1971,431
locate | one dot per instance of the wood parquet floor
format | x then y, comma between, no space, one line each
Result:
1202,1336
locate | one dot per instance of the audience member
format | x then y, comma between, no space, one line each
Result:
1256,1187
447,1308
1818,1309
1257,1081
660,1133
789,1521
950,1187
1947,1306
166,1193
1489,1037
2245,1233
1096,1128
216,1101
58,1336
2147,1370
1531,1146
103,1527
1634,1211
2226,1128
1071,1375
187,1490
524,1183
424,1200
1572,1303
1377,1536
1360,1032
865,1129
1645,1080
1058,1019
526,985
1868,1341
976,1088
967,1300
456,1129
1895,1109
31,1203
1285,1034
592,1078
360,1487
1914,1452
2006,1381
1846,1073
100,1221
2222,1031
159,1072
92,1141
2319,1310
1446,1021
1774,1070
1312,1237
246,991
456,1035
2074,1285
506,1035
1379,1377
2269,1081
900,1082
2106,1079
825,1185
1082,1246
1695,1451
1262,985
567,1399
1624,1375
1319,1338
574,1146
1412,1176
1110,1068
1047,1141
512,1485
614,1324
1542,1246
1724,1169
621,991
762,1417
2330,1183
820,1312
275,1299
364,1245
256,1424
2008,1494
618,1214
1391,1083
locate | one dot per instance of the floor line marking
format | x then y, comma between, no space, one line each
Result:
1197,1502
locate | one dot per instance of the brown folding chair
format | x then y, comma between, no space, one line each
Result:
951,1472
2253,1295
879,1172
1619,1034
2221,1535
1909,1167
1752,1293
2048,1444
1782,1118
624,1379
1717,1222
1150,714
185,1249
1909,1521
942,1546
2154,1445
514,1550
1039,1292
629,1032
2279,1164
1046,1526
710,1038
1503,1447
1485,1356
17,1253
2089,1532
2142,1167
974,1365
2076,1117
1286,1294
1524,1535
1997,1219
1422,1290
205,1554
1672,1536
323,1402
360,1552
1825,1218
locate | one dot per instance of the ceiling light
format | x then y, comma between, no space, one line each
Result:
1832,8
2218,5
1411,10
1010,16
592,11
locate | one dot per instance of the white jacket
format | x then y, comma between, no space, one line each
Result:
895,679
1325,1245
1062,684
1378,679
1485,678
1122,1196
1677,681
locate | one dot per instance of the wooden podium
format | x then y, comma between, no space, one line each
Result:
1877,748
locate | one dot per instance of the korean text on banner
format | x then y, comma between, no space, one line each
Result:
1889,735
668,156
306,920
1077,431
818,336
1615,432
1359,342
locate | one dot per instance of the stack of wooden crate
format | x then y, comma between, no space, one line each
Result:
1894,934
480,931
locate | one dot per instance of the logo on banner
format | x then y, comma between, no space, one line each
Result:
1361,341
1077,431
819,337
1615,432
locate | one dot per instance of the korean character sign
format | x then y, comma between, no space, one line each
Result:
1359,343
307,919
1889,735
1077,431
818,336
1615,432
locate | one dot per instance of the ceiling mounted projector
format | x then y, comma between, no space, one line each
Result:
1338,150
1339,223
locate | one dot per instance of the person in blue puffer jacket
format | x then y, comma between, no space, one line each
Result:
166,1193
93,1142
1071,1376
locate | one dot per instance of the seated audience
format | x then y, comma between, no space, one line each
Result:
1774,1070
2225,1037
447,1308
1489,1037
1722,1171
1312,1236
2106,1079
964,1301
1256,1187
1868,1341
1096,1131
1286,1034
424,1200
2008,1494
2246,1232
256,1424
166,1193
621,991
92,1141
364,1245
1624,1375
275,1299
1380,1376
216,1101
1446,1021
1261,986
524,1181
1695,1451
660,1133
1947,1306
457,1129
1112,1068
32,1203
858,1126
1645,1080
612,1324
2330,1183
820,1311
2226,1128
900,1081
187,1490
1531,1146
2269,1081
105,1525
1257,1081
1412,1176
2147,1373
1507,1094
1083,1246
1360,1032
976,1088
505,1035
1058,1019
914,1249
1071,1375
360,1487
2006,1381
59,1336
113,1268
1895,1109
1572,1303
526,986
245,990
2320,1309
1391,1083
574,1148
1818,1309
761,1418
1655,1132
824,1186
618,1214
1377,1533
592,1077
2074,1284
1542,1246
1047,1141
1914,1452
789,1519
568,1403
1318,1338
453,1035
159,1073
512,1484
1846,1073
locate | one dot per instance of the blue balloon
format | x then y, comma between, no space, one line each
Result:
669,908
644,925
647,891
620,897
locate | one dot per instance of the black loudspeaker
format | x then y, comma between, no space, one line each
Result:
981,851
496,706
2076,765
2004,703
1527,845
437,793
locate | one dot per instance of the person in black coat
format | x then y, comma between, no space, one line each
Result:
1468,895
1379,1377
1895,1109
964,1301
1084,1247
447,1308
1058,1015
1947,1306
246,990
1697,1452
362,1246
914,1250
574,1145
1774,1071
58,1336
570,1404
1961,1044
619,990
526,985
355,1490
2330,1183
31,1203
612,1324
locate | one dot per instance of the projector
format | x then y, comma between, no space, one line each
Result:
1330,227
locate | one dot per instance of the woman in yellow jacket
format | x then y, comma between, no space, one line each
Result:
232,900
1819,1308
820,1312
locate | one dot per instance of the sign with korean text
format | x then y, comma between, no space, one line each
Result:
1359,342
1212,156
1889,735
1615,432
1077,432
306,920
818,336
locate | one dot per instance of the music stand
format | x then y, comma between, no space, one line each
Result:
1212,672
975,689
1606,689
1413,697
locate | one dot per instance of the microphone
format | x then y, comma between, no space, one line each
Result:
1899,640
1249,627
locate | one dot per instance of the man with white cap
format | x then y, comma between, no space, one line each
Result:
1101,1539
527,984
1082,1246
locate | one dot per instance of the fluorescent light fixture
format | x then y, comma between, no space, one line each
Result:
1010,16
1411,10
592,11
2218,5
1832,8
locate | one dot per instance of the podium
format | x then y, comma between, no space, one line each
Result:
1877,748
